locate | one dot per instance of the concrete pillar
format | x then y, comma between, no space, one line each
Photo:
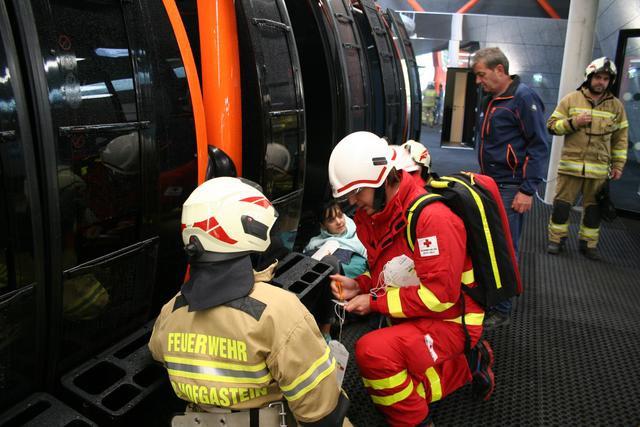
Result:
454,42
578,51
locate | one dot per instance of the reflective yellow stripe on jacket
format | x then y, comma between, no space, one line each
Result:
428,298
595,170
210,370
562,125
574,111
86,304
306,382
619,155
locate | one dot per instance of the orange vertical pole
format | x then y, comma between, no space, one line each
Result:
440,76
221,76
194,85
549,9
467,6
415,5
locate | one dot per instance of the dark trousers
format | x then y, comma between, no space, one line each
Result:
516,220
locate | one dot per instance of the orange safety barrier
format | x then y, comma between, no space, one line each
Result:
221,76
194,86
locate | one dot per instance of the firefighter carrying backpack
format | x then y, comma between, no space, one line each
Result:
476,200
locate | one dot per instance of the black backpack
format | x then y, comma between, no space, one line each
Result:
476,200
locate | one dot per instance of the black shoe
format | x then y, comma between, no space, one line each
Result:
427,422
494,319
591,253
481,363
553,248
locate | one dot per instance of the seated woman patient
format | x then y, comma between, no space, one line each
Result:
340,231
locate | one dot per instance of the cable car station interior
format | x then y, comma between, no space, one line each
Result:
113,111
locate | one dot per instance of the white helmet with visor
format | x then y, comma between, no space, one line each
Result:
359,160
227,216
601,65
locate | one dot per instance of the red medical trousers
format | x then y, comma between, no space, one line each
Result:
406,366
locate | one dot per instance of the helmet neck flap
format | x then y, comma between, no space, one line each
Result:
217,283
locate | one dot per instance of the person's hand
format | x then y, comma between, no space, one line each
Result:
343,288
616,174
583,119
521,202
359,305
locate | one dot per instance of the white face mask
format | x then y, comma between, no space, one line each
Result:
400,271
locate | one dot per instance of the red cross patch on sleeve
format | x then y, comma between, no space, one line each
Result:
428,246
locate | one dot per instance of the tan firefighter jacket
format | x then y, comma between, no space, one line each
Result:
245,357
429,97
589,151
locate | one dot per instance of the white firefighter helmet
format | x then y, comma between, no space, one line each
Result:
418,154
227,216
122,154
404,161
601,65
360,159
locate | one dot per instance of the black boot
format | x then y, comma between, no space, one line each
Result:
480,361
555,248
591,253
427,422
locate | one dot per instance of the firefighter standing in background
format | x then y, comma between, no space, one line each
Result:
421,358
231,341
595,148
429,97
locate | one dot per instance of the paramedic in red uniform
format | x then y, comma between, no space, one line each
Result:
421,358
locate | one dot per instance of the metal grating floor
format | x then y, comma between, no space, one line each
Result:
571,354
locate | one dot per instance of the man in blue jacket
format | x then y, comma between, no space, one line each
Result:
513,145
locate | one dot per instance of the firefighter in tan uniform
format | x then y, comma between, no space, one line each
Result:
229,340
595,148
429,101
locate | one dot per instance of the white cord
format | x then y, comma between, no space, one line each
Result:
538,194
381,287
340,312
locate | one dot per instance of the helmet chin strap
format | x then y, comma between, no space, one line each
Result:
198,255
